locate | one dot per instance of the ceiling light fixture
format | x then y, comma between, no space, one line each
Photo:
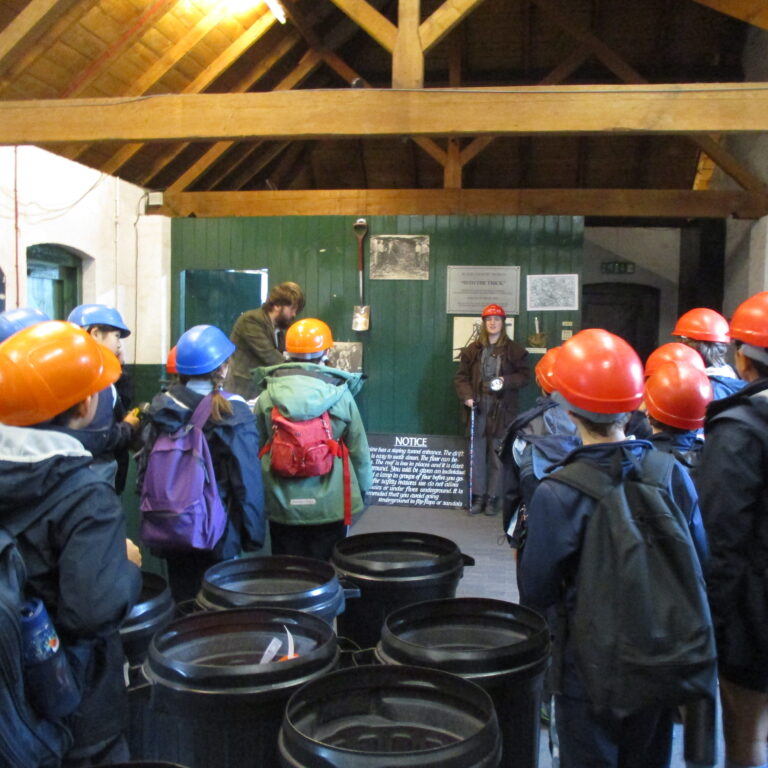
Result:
277,10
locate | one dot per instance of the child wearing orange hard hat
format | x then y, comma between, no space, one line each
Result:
68,526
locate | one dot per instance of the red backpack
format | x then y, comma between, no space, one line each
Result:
301,448
307,449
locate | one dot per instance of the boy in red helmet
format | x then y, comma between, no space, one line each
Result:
598,379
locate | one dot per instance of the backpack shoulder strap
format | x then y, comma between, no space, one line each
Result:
585,476
656,468
202,412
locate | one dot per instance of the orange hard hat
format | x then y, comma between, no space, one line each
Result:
309,336
49,367
674,352
599,372
170,363
677,394
494,310
750,321
545,368
702,324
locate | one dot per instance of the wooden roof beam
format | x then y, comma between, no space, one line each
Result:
378,26
443,20
357,112
28,26
667,203
754,12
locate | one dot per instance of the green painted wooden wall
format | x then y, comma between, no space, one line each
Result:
407,351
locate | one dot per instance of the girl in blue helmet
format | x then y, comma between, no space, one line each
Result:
202,362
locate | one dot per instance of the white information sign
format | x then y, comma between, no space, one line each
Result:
470,289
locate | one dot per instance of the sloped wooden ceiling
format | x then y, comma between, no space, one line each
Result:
593,107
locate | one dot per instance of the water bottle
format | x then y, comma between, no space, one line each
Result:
50,685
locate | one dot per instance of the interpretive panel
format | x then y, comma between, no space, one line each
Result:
418,470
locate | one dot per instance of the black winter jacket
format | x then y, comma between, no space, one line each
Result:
71,534
732,481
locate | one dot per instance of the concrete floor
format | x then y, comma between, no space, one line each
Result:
493,574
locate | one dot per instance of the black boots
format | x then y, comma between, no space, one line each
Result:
478,504
493,506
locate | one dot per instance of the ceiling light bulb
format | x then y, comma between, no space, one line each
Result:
277,10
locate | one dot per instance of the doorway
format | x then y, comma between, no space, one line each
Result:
626,309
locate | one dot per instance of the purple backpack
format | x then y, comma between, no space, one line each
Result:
181,509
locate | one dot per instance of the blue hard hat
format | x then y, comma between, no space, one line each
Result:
202,349
87,315
13,320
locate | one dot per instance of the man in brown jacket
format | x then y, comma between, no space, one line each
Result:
259,335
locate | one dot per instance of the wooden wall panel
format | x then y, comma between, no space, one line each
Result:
408,349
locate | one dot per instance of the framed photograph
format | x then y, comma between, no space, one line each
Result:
399,257
552,292
346,356
470,289
467,329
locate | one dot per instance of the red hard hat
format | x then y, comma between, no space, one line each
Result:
47,368
674,352
494,310
702,324
545,368
170,363
750,321
599,372
677,394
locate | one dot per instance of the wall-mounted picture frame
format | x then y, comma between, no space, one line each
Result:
470,289
552,292
399,257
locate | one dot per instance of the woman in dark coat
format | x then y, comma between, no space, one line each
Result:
491,371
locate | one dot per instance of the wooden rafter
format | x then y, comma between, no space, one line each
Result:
443,20
668,203
29,25
32,51
628,74
368,18
222,62
129,36
754,12
353,112
261,68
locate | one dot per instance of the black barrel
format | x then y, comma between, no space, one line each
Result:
501,646
393,569
153,611
298,583
227,707
390,717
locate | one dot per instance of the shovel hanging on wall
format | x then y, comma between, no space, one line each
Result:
361,316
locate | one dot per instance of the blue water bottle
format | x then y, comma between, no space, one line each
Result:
50,685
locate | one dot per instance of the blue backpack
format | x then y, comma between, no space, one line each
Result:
26,740
181,509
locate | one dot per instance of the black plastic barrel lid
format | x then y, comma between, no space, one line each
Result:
465,635
397,554
220,652
390,716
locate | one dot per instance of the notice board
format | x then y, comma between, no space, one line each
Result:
418,470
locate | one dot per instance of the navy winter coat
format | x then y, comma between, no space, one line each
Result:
234,446
557,519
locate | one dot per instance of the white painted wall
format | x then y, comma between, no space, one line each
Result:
125,255
656,253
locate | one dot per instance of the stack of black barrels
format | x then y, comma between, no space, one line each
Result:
367,661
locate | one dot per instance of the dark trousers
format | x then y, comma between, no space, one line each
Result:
316,541
642,740
186,571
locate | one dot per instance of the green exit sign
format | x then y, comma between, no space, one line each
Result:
618,267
